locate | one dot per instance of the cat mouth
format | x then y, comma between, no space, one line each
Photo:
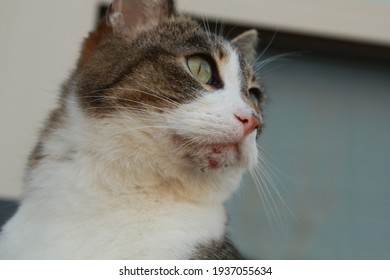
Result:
210,155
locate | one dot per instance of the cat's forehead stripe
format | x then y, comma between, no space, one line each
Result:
244,74
222,53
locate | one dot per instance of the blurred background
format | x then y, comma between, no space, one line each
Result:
324,189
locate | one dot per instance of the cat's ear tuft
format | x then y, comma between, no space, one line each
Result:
127,17
246,43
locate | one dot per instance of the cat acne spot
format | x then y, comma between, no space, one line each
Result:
223,155
213,163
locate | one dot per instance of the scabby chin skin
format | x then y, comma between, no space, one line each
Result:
152,134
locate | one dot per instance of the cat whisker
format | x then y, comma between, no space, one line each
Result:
271,59
272,168
136,129
260,56
196,140
219,32
113,106
266,170
216,27
231,31
206,24
153,93
270,183
259,185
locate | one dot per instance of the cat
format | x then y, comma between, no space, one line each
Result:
152,134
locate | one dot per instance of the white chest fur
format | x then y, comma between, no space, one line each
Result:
73,223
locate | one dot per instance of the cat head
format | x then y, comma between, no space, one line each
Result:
177,89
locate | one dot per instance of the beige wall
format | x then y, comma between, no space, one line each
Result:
40,40
360,20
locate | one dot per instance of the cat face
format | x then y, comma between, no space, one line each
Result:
192,94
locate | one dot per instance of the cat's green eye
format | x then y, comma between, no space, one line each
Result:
200,68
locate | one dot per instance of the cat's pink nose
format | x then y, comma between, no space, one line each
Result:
249,121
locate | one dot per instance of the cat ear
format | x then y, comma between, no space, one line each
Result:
127,17
246,43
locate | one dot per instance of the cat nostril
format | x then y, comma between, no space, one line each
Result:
249,121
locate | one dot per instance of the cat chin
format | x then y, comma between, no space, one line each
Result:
217,156
223,155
